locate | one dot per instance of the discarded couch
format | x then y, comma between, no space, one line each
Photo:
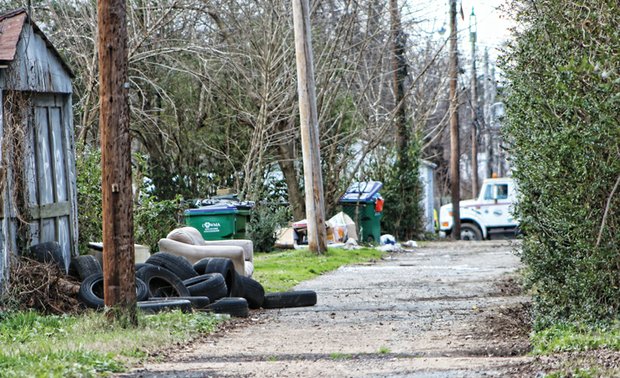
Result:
189,243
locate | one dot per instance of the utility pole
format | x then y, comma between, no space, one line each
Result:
488,118
315,208
455,151
118,247
474,106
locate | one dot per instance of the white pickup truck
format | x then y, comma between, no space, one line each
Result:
489,214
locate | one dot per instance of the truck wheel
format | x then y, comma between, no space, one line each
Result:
470,232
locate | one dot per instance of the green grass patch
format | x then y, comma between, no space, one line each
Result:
577,373
574,337
384,350
88,345
340,356
280,271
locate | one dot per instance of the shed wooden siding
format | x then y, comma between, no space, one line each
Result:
4,257
50,172
36,68
41,82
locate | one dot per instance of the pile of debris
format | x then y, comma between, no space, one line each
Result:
41,286
165,281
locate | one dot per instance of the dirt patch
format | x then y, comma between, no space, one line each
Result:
509,286
508,322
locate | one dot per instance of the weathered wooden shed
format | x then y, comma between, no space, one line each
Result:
37,151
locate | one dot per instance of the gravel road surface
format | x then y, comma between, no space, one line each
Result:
447,309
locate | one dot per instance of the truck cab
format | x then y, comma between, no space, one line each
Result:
489,214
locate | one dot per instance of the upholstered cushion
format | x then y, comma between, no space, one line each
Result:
247,245
249,268
187,235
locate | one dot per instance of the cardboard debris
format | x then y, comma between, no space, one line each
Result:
285,238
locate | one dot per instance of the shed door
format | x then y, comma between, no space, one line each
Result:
47,172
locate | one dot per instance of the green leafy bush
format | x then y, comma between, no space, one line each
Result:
563,127
265,219
88,167
153,218
402,191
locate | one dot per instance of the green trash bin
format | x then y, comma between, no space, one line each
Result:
360,203
242,219
366,218
215,222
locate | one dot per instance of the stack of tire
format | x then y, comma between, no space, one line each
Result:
167,281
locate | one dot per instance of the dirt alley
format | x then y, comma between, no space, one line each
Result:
448,309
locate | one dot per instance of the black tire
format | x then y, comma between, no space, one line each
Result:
211,285
226,268
162,282
197,302
287,299
49,252
201,265
471,232
139,265
152,307
91,291
176,264
142,291
237,290
252,291
84,266
232,306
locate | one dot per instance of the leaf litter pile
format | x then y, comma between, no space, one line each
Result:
39,286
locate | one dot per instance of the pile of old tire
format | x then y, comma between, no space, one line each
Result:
212,285
218,276
252,291
88,271
166,281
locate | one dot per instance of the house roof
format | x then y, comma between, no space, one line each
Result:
11,26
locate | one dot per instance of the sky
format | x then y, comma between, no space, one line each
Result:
492,23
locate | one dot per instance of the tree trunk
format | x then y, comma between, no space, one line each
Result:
287,165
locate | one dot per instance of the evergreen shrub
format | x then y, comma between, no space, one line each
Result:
563,124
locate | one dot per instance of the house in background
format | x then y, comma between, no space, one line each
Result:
37,151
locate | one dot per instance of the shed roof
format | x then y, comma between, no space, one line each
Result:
10,28
11,25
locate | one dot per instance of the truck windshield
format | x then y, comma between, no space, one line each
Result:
502,191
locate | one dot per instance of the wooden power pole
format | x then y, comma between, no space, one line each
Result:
474,106
118,247
315,208
455,151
